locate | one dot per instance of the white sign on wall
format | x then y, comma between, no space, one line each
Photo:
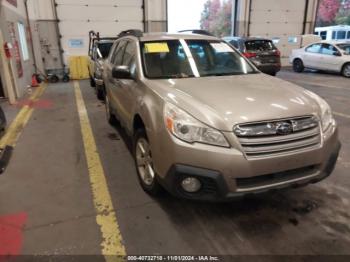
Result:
76,43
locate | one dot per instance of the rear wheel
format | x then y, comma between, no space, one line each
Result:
346,70
298,66
92,82
144,163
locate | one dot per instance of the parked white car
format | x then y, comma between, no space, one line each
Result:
325,55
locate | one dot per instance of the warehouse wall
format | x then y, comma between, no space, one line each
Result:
20,70
109,17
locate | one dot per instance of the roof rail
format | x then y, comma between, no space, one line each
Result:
93,34
131,32
197,31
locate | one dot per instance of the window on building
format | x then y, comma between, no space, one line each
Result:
23,41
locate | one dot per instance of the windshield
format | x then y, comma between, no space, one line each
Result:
259,45
192,58
104,49
345,47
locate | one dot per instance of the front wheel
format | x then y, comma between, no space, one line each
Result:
144,164
100,93
298,66
346,70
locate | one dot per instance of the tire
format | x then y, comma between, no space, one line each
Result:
144,164
100,93
346,70
298,65
273,73
92,82
110,116
54,79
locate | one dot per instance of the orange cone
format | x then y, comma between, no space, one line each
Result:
34,81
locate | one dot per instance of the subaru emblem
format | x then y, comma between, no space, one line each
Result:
284,128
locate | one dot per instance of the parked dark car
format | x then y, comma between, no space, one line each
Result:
262,52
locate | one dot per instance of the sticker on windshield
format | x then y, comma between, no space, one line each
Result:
222,48
156,48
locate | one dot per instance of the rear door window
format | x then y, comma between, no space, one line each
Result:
315,48
259,46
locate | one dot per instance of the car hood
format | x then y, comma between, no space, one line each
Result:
222,102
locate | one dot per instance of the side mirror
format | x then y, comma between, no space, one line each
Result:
121,72
337,53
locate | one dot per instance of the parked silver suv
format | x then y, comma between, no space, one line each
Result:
207,125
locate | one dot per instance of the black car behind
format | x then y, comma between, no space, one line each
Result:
262,52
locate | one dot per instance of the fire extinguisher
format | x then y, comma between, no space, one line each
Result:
8,47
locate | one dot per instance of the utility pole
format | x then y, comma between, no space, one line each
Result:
233,17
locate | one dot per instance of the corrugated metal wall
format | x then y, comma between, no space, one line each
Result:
109,17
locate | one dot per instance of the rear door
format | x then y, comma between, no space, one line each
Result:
265,50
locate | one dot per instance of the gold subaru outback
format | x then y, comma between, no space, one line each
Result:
206,124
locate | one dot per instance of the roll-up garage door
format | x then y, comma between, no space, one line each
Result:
271,18
280,21
109,17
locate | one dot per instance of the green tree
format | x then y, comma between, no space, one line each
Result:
216,17
343,16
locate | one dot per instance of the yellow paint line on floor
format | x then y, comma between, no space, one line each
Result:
15,129
341,114
106,217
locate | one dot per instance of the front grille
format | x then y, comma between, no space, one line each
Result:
279,136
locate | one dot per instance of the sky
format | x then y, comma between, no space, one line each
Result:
184,14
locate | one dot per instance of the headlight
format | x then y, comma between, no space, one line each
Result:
188,129
327,118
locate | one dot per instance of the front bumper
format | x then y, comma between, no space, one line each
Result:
227,174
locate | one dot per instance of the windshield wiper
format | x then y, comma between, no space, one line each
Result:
180,76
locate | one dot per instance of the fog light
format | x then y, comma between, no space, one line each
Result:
191,185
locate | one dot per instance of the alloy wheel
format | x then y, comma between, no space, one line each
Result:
144,161
346,71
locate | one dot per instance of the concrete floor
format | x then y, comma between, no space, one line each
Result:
46,187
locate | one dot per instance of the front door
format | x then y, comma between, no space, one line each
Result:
126,91
328,58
